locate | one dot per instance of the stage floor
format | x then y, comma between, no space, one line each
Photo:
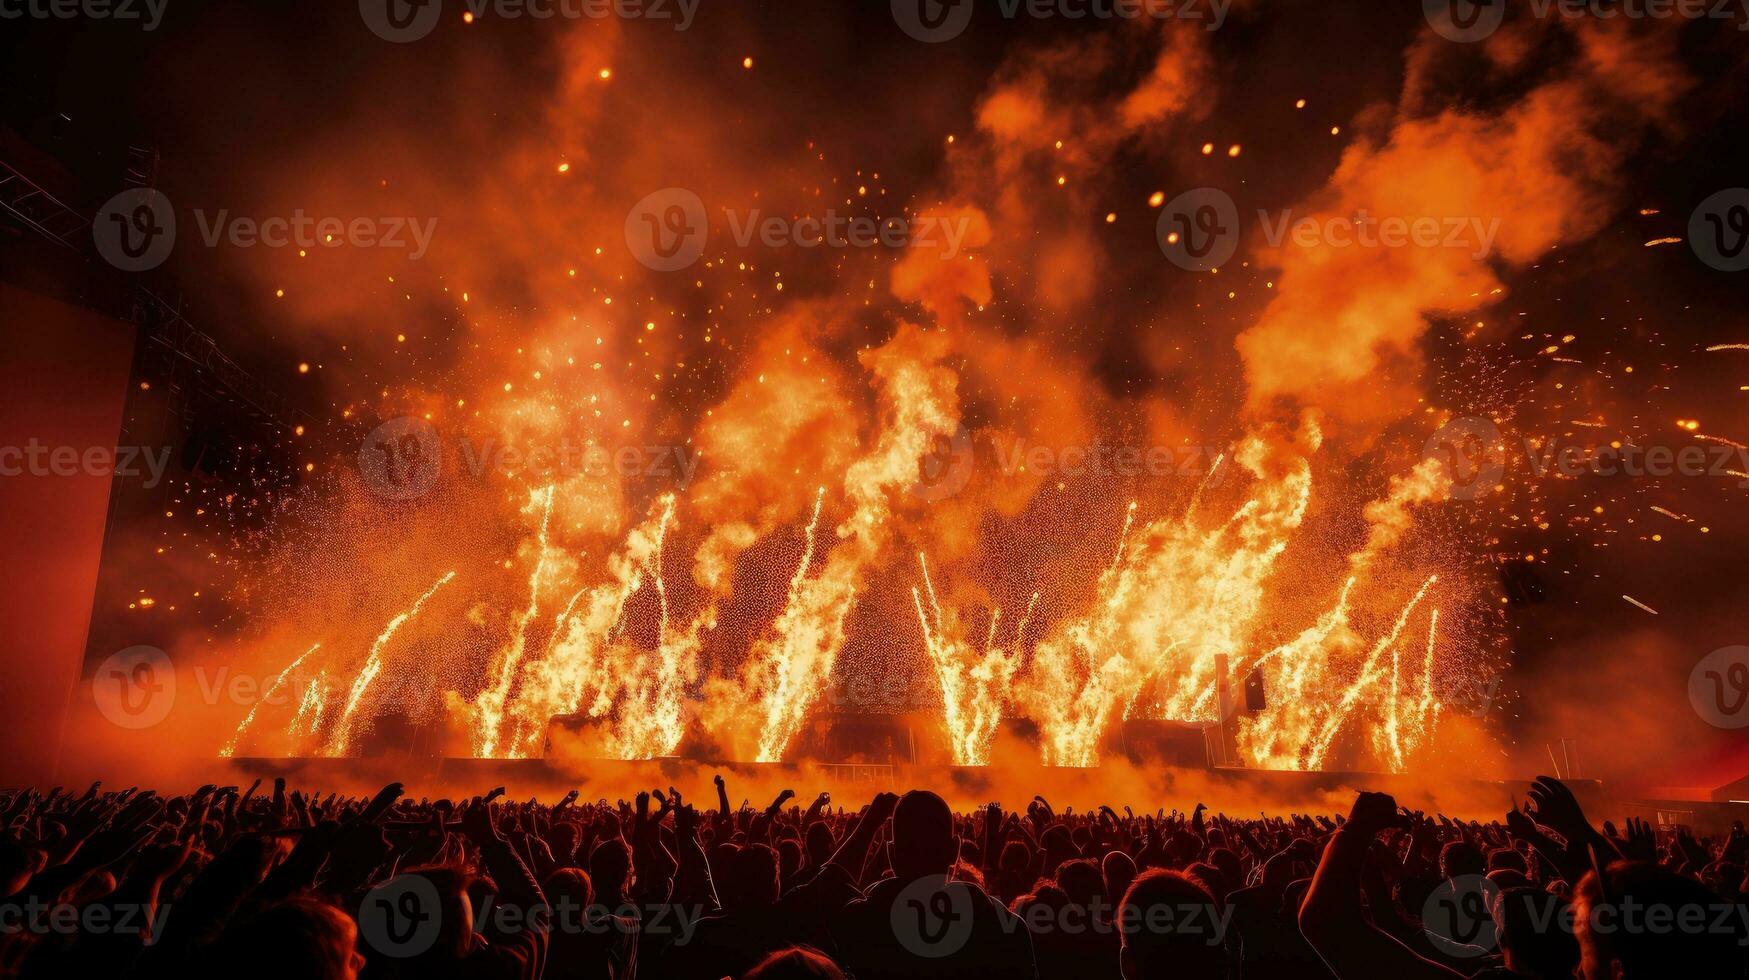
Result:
1145,789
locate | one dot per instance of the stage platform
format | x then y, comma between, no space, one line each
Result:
1146,789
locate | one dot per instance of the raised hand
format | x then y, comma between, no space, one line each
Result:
1640,844
882,806
686,822
381,803
1520,825
1557,809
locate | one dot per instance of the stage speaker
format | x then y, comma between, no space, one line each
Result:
1151,742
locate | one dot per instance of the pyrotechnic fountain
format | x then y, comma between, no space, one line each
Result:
814,391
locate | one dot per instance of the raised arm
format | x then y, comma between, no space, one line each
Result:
1331,917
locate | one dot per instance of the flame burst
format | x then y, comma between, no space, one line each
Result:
801,452
1175,598
974,684
789,667
343,731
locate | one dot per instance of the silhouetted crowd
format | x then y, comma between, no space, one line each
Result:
236,884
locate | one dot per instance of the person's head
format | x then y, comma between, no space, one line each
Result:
1171,929
1459,858
1507,859
455,910
1119,870
1209,876
795,963
569,891
752,880
1531,927
789,857
1014,857
297,939
562,838
968,872
820,844
1612,915
1232,869
923,837
1043,895
1505,879
1081,880
610,869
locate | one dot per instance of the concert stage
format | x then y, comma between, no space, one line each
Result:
1011,782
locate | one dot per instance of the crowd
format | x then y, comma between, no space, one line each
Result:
234,883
